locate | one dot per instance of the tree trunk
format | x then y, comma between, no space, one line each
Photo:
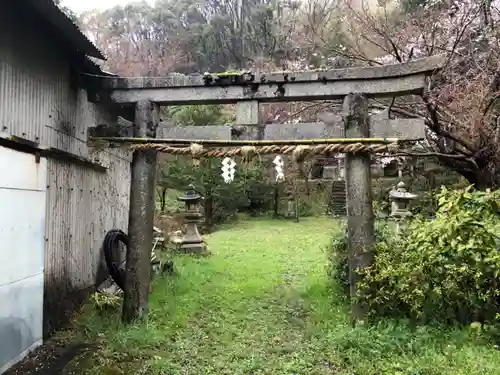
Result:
209,211
163,199
276,203
485,13
486,176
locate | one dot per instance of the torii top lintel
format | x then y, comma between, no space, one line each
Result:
379,81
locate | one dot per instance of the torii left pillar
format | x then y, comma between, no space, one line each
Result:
141,216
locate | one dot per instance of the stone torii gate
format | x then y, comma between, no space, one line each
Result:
353,85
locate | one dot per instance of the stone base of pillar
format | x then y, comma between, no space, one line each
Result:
194,249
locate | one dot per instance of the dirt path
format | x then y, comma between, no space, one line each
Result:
51,359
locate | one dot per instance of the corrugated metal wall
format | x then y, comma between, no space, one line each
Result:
37,100
82,205
38,103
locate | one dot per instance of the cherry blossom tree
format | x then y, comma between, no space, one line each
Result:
461,105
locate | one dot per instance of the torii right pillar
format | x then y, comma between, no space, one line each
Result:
360,217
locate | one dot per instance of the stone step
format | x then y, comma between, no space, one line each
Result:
337,204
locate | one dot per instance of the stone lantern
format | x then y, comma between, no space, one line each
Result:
192,242
400,203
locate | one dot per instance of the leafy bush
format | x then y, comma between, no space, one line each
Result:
105,302
313,199
443,270
338,264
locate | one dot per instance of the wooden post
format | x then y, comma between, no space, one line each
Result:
141,216
360,219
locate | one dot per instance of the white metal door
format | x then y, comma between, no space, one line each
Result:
22,232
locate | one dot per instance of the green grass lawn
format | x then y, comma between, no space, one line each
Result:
262,304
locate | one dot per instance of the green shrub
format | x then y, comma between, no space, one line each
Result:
338,264
442,270
315,205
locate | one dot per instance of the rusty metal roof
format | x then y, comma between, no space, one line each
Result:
66,28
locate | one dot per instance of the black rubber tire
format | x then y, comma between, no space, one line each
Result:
112,238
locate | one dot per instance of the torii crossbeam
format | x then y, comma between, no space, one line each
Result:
175,89
353,85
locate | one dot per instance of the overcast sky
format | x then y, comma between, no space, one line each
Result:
82,5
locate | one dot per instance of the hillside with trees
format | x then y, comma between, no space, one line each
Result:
194,36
